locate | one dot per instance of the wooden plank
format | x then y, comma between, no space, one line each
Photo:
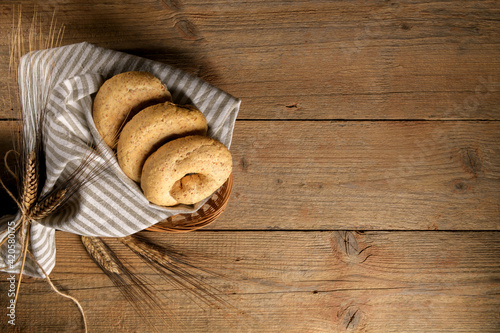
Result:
363,175
312,60
7,205
296,60
299,282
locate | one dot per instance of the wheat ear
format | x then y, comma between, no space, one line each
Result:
99,252
30,182
46,206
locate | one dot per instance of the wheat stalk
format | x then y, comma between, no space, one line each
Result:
28,198
35,78
175,268
28,146
131,286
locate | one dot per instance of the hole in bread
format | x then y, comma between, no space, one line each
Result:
191,188
189,180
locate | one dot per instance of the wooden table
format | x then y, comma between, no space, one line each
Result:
366,167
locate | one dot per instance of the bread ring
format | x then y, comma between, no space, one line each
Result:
151,128
186,170
120,97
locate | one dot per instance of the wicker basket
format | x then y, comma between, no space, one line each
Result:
207,214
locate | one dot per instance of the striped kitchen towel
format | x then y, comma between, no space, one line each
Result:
111,205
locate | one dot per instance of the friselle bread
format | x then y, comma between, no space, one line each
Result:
160,145
185,170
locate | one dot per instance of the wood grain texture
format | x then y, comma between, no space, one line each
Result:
308,60
299,282
364,176
377,116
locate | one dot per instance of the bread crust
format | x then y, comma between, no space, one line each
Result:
120,97
151,128
185,171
